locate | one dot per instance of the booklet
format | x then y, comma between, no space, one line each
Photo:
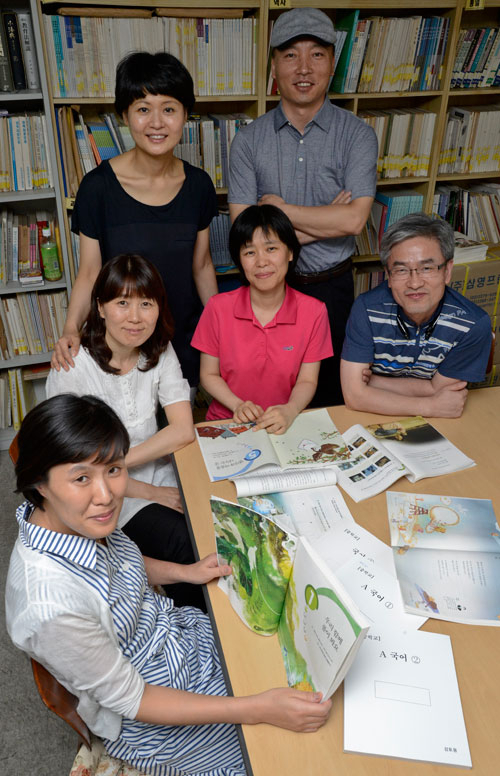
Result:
280,585
309,512
419,447
365,567
233,449
383,452
447,556
401,699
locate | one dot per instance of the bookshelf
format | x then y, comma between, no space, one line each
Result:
18,202
437,100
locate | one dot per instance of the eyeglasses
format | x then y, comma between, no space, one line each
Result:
426,271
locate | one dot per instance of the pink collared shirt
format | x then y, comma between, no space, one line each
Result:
261,363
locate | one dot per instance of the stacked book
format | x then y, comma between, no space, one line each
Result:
404,141
219,241
382,54
20,236
471,141
24,158
473,210
477,60
83,51
31,323
18,63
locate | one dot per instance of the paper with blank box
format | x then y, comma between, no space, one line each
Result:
401,699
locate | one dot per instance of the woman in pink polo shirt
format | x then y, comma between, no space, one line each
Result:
262,343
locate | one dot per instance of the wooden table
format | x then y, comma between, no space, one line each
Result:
253,663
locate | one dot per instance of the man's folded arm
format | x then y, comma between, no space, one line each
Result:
439,397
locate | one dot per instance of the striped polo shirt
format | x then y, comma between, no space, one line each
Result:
456,342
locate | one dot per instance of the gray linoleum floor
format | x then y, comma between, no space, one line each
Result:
33,741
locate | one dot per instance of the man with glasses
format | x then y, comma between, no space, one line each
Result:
412,343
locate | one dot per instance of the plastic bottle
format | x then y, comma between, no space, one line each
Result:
50,259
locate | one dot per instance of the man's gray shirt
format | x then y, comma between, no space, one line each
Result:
337,152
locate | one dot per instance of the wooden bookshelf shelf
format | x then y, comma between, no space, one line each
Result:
466,176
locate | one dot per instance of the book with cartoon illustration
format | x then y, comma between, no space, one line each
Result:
280,585
447,556
232,449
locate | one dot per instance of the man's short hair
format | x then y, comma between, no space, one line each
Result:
418,225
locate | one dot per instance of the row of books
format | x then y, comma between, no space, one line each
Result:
472,140
206,141
17,397
383,54
473,209
24,157
367,277
20,241
18,63
83,51
387,208
85,142
31,323
219,241
477,61
404,141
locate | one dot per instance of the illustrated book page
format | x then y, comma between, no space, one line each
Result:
420,447
447,556
234,449
321,628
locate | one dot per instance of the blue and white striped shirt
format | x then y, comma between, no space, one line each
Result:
457,345
86,612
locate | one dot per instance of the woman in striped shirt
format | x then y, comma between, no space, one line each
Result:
79,600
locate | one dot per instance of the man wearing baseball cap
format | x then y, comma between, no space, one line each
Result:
315,161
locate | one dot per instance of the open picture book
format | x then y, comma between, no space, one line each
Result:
377,456
280,585
447,556
233,449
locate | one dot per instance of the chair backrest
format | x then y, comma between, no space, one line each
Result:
56,697
60,700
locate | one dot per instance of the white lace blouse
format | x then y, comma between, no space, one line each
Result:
135,398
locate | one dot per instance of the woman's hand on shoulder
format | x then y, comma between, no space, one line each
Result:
302,712
66,348
207,569
246,412
277,419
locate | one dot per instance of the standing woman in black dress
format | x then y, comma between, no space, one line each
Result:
147,201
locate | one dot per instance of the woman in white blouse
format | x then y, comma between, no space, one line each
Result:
127,360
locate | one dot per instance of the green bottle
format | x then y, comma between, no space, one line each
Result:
50,259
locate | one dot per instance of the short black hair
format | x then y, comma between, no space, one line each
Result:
269,218
66,429
143,73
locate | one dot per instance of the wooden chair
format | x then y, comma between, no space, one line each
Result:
56,697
